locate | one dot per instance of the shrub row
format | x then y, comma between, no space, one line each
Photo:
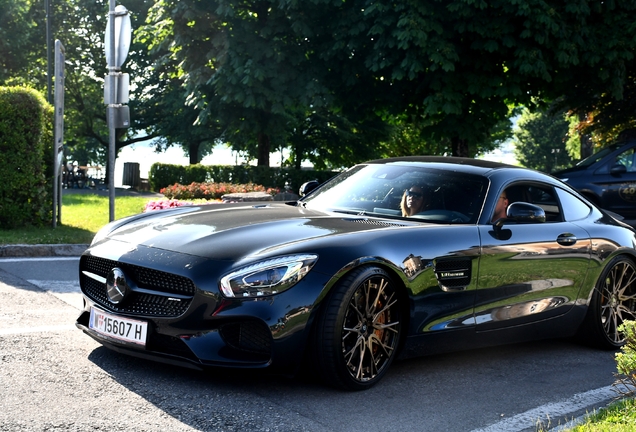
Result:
26,147
211,191
164,175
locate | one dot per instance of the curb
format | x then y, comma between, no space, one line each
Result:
42,250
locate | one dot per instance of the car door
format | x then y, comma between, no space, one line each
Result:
530,271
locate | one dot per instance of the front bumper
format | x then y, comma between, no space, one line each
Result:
202,329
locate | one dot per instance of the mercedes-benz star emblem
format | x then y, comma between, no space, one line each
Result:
116,286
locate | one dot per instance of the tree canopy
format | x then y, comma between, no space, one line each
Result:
453,68
542,139
337,82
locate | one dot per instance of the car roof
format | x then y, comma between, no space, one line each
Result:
469,165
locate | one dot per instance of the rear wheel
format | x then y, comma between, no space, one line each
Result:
613,302
358,333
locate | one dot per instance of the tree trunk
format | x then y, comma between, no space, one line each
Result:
587,146
459,147
193,152
264,147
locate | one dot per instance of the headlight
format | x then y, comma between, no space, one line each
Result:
267,277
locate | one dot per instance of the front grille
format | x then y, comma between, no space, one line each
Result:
250,336
166,287
143,277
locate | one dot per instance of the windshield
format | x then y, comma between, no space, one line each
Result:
590,160
403,190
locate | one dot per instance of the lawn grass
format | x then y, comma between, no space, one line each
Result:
618,417
82,216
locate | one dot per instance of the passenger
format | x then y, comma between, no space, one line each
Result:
414,200
500,207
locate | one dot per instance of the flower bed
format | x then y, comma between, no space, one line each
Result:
211,191
165,204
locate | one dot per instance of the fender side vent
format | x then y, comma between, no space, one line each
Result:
453,274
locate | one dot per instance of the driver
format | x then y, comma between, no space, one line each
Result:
500,208
414,200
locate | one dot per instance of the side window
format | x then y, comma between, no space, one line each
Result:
546,198
627,160
573,208
539,195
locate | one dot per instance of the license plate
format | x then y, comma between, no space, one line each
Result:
116,327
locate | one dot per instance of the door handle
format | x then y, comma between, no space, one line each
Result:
566,239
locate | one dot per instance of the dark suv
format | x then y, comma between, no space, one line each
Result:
607,178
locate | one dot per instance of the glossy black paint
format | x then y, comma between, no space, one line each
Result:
462,285
607,178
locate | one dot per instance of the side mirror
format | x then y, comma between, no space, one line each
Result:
307,187
522,212
618,169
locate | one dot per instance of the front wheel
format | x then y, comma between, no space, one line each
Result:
358,333
613,302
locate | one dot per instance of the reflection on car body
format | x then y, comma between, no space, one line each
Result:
342,281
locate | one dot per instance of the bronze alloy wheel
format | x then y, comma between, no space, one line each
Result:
617,298
359,333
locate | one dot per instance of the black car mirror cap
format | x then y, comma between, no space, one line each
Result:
307,187
521,212
618,169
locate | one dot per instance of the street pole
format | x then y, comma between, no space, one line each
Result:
49,94
111,116
117,38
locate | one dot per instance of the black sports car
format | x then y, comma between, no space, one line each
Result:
392,258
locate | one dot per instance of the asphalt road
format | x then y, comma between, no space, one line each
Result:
56,378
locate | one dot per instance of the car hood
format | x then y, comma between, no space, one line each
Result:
570,171
232,231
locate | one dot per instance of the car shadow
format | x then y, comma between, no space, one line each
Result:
528,374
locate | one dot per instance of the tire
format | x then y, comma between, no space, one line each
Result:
358,333
613,302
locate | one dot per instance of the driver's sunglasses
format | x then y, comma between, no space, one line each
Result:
413,194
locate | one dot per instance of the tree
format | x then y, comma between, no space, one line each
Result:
541,139
16,28
457,65
453,68
80,26
247,65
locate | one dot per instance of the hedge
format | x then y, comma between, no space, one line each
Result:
26,130
163,175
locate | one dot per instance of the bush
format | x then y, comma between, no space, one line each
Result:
25,138
626,361
164,175
211,191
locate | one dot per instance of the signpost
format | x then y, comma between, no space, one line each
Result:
117,44
58,145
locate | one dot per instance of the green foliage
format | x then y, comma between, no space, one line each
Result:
24,131
16,27
163,175
334,82
541,140
626,361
